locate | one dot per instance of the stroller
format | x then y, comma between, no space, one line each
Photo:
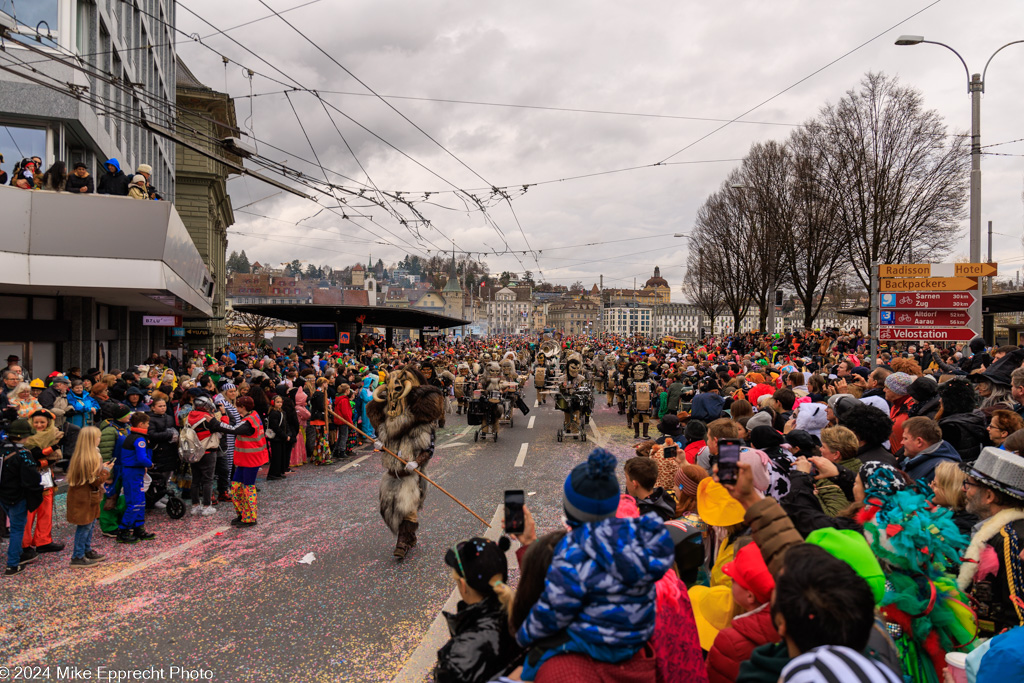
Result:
171,486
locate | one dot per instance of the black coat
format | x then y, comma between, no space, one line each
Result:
165,452
75,184
480,647
114,184
967,432
19,476
278,421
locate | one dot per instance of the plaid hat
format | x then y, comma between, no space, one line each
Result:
478,561
899,383
836,663
591,492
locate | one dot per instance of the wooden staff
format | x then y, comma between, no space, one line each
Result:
417,470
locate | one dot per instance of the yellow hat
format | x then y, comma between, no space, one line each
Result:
712,610
715,506
37,384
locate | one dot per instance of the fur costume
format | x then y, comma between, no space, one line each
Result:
401,412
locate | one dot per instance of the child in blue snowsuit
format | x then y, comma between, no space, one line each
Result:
136,456
599,595
365,398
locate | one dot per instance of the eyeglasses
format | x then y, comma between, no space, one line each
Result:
975,484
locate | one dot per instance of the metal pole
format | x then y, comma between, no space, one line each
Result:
873,319
990,254
977,86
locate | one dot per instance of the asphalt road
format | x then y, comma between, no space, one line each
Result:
238,604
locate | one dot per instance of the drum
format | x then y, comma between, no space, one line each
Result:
562,403
477,393
460,387
494,396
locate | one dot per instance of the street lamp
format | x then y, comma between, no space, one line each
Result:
975,86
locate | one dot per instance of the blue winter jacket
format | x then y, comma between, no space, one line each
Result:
600,587
922,465
135,451
83,406
707,407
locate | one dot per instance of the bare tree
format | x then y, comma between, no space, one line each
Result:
899,179
257,324
700,288
762,189
723,234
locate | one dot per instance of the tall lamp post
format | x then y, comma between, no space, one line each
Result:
975,87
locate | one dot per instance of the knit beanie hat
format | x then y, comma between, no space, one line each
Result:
119,411
899,383
850,547
880,479
758,420
591,491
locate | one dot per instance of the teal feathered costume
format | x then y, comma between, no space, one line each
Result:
917,544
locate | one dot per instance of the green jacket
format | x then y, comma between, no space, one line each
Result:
109,430
662,404
765,664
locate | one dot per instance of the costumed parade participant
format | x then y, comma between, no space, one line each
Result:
641,391
619,383
574,399
460,385
489,403
402,412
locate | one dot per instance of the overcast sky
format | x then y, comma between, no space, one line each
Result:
671,59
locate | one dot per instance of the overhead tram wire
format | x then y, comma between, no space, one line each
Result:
805,78
402,115
297,83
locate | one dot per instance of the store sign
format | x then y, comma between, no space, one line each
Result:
177,331
195,333
160,320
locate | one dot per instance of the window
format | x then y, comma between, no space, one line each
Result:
41,13
19,142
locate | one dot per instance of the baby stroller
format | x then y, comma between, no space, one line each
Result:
171,486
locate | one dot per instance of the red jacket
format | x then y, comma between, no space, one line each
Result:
693,449
343,407
898,413
735,644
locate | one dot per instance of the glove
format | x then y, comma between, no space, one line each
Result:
411,466
378,445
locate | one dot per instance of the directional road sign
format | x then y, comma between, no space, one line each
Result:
938,334
925,318
937,269
929,300
928,284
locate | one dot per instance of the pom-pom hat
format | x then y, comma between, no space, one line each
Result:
591,492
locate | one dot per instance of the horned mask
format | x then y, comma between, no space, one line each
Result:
394,391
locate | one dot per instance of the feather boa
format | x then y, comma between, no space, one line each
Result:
989,528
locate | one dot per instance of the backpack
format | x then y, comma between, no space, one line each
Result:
190,448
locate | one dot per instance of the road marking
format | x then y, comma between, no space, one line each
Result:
522,455
451,444
536,403
464,432
353,463
160,557
530,426
598,436
425,655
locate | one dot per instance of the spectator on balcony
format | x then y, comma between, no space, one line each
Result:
24,174
115,182
137,188
56,177
146,171
80,182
